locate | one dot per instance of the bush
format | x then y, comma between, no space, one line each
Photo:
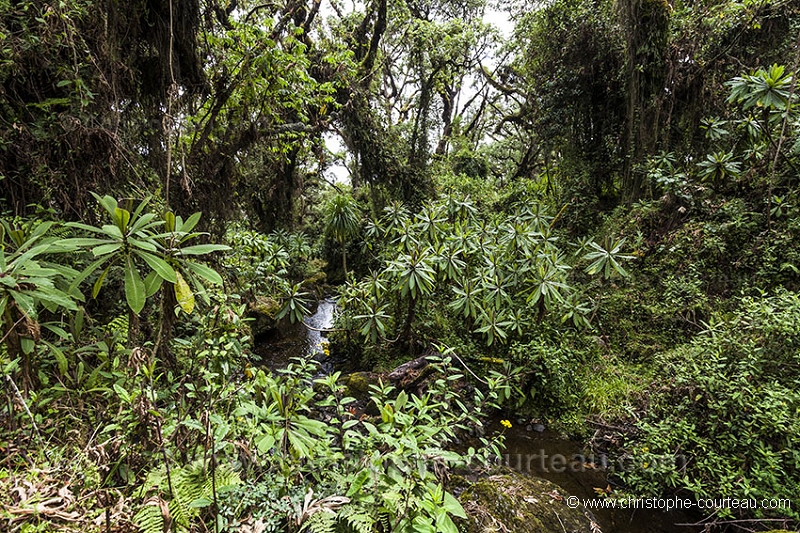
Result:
729,407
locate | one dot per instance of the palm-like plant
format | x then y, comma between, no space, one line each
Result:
549,285
460,210
395,216
449,261
430,221
343,221
493,323
135,238
374,320
606,259
295,303
28,283
766,89
468,300
718,166
416,279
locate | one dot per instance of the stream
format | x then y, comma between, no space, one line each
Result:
524,451
288,341
295,340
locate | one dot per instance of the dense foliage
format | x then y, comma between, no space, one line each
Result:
588,218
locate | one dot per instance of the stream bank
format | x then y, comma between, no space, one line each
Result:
523,443
539,453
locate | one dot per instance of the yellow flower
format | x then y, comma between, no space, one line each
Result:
506,423
645,465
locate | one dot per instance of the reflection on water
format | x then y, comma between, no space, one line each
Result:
278,346
579,473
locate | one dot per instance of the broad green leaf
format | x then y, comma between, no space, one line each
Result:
140,208
422,525
200,503
77,322
134,287
453,506
122,218
59,331
108,203
191,222
161,267
23,259
361,478
199,289
265,443
302,444
53,296
106,249
84,241
99,282
205,272
141,222
143,245
83,275
445,525
25,303
84,227
169,218
152,283
401,400
112,231
27,345
40,230
61,360
183,293
122,393
202,249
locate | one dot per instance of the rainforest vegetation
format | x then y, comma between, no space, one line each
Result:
586,214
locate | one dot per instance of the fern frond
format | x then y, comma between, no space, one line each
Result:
321,522
224,477
188,484
192,489
149,518
356,519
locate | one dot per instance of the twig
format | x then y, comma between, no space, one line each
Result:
323,330
468,369
560,522
23,317
28,411
784,123
741,521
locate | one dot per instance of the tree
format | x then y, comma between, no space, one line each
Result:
342,222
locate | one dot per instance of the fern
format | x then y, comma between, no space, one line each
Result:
192,490
149,518
321,522
188,486
356,519
117,331
118,326
384,521
348,519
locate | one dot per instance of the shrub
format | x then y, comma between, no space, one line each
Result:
730,408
